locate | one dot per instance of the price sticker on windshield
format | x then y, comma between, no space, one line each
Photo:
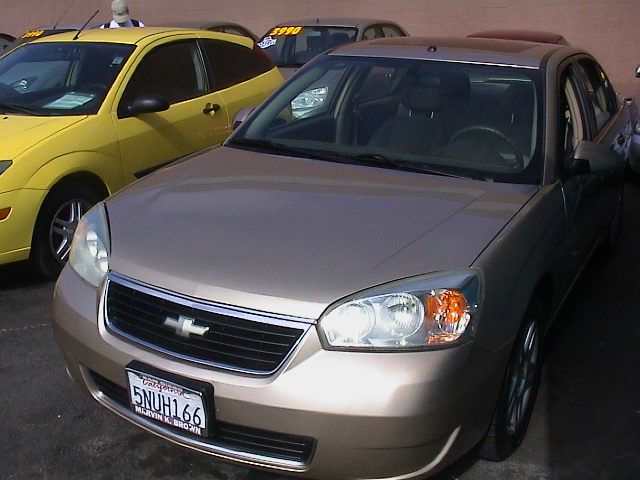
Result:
280,31
33,34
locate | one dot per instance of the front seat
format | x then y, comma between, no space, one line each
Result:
417,127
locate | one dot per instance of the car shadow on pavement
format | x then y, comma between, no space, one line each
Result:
19,275
593,366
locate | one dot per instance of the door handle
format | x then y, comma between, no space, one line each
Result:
211,107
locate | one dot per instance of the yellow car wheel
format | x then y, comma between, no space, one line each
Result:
56,225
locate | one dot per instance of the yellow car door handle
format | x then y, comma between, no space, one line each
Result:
211,108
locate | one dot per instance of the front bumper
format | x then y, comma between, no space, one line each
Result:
370,415
16,230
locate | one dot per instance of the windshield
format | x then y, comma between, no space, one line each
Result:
59,78
458,119
293,46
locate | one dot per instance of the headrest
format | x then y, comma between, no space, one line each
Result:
455,84
421,99
517,95
314,42
339,39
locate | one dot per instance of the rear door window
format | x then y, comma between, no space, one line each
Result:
232,63
391,31
601,97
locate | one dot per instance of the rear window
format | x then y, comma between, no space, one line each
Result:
294,46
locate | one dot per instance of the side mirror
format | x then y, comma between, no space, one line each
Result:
638,71
241,116
592,157
147,104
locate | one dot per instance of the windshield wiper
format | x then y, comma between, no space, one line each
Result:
278,148
290,64
379,160
17,108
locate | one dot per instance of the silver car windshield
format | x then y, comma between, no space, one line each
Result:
293,46
460,119
59,78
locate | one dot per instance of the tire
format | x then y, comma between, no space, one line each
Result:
517,398
55,225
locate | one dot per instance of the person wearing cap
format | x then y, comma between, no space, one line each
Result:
121,16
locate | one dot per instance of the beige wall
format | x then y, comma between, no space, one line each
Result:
609,29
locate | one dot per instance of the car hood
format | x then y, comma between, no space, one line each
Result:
21,132
290,236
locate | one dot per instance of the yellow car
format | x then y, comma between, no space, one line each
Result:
83,114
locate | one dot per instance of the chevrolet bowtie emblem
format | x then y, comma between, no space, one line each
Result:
185,326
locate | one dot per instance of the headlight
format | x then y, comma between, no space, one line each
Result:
431,311
4,164
308,101
91,246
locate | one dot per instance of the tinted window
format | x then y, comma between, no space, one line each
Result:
295,45
369,33
570,121
471,120
391,31
600,93
232,63
60,78
4,42
173,71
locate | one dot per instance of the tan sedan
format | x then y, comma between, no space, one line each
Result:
360,291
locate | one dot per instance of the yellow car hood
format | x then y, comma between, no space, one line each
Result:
21,132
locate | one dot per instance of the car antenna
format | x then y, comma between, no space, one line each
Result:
63,14
86,23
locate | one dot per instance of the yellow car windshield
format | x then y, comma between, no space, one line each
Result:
59,78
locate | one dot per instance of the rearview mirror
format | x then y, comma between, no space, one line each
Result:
592,157
241,116
147,104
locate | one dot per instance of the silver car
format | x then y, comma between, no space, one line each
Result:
362,291
294,43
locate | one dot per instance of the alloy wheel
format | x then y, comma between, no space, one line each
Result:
63,227
522,378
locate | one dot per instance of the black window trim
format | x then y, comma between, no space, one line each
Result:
594,134
567,69
120,109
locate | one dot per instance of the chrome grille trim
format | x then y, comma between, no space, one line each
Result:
302,324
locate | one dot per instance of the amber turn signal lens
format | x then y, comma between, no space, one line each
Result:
448,314
4,212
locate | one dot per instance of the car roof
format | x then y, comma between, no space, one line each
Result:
468,50
140,35
525,35
336,22
206,24
198,24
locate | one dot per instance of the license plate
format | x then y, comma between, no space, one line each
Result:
167,402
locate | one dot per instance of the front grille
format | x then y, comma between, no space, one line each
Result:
233,437
230,342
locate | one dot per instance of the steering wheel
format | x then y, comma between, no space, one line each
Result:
518,161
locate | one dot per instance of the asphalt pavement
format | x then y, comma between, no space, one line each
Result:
586,423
